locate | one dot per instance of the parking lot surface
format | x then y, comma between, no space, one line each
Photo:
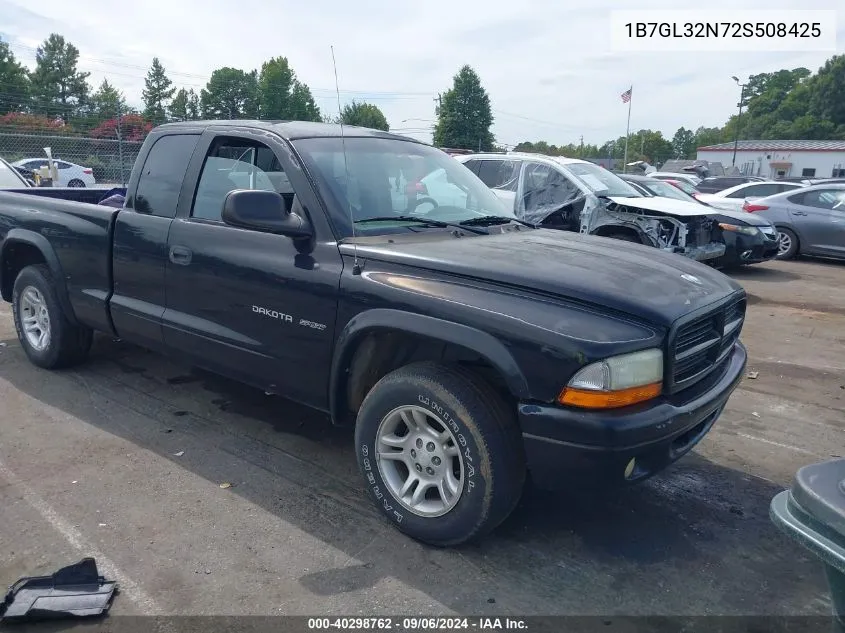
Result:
123,459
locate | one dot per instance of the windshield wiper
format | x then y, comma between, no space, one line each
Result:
423,221
489,220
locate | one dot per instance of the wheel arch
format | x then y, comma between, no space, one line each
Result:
23,248
377,341
606,230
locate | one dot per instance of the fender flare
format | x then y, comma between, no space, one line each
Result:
39,242
484,344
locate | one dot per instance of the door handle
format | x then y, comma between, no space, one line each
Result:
180,255
799,213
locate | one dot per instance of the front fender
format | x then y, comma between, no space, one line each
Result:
43,246
482,343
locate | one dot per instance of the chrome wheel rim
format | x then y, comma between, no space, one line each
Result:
784,243
420,461
35,319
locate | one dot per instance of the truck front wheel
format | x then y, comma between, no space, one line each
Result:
440,452
49,339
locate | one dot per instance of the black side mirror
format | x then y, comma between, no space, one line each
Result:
263,211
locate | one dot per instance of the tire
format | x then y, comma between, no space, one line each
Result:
787,235
479,424
76,182
66,344
625,237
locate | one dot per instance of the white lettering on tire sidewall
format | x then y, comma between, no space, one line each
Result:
384,497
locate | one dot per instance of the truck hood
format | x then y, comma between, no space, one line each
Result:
669,206
614,275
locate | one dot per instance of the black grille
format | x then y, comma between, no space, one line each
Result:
701,345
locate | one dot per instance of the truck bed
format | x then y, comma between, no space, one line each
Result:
76,237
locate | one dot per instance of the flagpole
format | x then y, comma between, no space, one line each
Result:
628,132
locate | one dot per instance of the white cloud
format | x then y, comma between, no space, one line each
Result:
548,67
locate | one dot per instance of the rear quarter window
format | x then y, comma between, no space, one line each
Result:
161,176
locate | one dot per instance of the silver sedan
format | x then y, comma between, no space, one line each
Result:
810,221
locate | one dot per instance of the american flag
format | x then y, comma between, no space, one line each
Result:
626,96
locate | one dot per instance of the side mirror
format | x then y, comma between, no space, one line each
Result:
263,211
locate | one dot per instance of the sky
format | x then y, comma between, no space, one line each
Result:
548,65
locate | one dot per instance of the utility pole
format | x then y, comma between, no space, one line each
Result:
581,148
738,118
120,145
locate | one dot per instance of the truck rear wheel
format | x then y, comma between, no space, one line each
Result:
49,339
441,453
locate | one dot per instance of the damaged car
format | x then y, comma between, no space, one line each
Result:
577,195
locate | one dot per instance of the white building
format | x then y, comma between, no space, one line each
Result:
780,159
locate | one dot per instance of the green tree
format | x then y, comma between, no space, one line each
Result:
107,102
364,115
157,93
683,143
14,82
282,95
707,136
827,92
57,86
274,85
302,104
185,106
230,93
464,117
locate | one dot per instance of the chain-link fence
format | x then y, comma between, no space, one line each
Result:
80,160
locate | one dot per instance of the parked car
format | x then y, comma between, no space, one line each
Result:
683,185
666,175
715,184
810,221
734,197
466,347
70,174
11,178
748,238
576,195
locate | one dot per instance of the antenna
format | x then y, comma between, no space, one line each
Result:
356,268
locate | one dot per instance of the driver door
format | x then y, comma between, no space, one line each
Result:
242,302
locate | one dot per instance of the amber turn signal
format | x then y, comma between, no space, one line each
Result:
590,399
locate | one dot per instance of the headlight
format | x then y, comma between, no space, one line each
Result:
617,381
736,228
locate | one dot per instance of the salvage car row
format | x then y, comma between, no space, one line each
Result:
751,222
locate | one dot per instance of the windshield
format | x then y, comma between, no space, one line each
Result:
601,181
9,178
667,190
386,178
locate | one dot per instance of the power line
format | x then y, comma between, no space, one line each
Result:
371,94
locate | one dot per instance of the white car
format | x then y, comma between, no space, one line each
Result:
577,195
70,174
733,198
668,175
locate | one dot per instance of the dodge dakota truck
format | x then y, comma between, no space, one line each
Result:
469,349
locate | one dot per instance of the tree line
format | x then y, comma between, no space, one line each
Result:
57,96
781,105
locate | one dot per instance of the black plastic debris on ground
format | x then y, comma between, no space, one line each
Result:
77,590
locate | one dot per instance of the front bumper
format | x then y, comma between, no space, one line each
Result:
748,249
568,447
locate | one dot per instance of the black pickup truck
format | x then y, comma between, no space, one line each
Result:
469,349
